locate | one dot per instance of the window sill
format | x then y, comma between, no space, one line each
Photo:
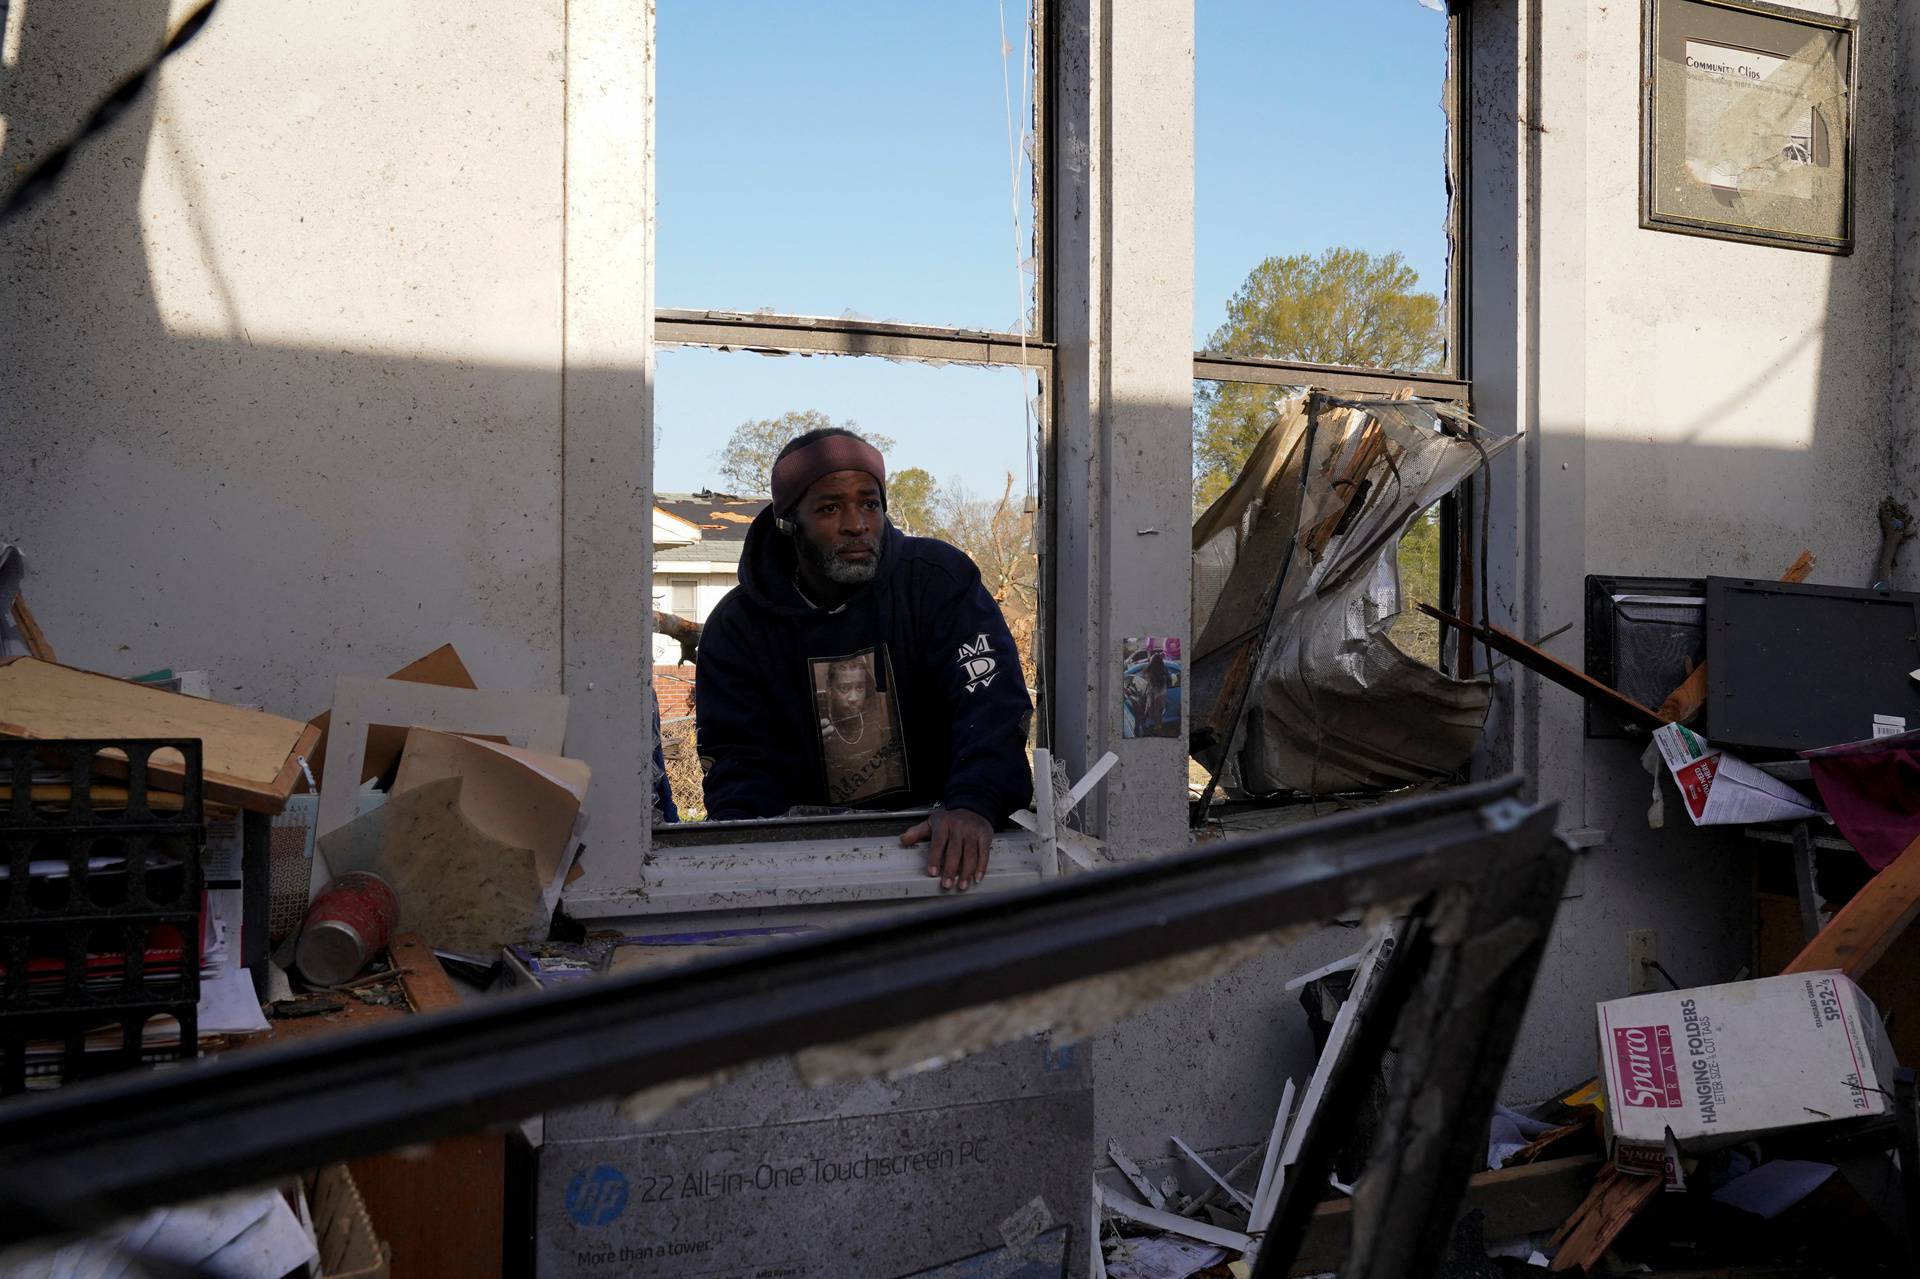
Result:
807,872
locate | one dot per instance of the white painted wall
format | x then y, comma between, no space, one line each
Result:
280,359
293,365
1692,407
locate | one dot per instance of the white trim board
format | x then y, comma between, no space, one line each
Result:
811,872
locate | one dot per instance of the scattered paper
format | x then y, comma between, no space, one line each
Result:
1721,790
221,856
228,1004
253,1234
1774,1186
1510,1133
193,1232
268,1249
1161,1259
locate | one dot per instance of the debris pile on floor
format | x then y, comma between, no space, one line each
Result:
1745,1126
274,857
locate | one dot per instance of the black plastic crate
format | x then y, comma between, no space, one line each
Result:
100,907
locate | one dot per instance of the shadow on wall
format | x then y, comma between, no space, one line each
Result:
1707,408
273,511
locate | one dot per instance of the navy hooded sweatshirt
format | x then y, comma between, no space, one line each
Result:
908,694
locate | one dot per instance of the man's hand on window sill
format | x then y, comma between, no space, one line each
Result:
957,842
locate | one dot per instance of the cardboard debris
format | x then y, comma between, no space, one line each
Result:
441,667
361,705
1718,1065
476,839
530,799
1721,790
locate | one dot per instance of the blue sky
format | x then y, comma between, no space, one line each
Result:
850,157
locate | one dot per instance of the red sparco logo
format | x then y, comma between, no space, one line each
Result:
1648,1076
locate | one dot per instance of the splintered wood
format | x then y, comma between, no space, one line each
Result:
1609,1208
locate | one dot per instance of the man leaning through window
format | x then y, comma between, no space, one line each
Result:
855,667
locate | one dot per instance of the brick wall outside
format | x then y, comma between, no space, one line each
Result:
673,685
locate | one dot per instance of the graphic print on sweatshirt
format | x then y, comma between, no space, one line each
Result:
859,719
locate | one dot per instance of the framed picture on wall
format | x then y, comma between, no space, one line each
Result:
1747,123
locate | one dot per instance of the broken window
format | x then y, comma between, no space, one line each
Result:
1306,678
1312,273
957,441
777,236
1323,223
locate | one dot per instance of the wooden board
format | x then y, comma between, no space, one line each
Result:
1578,682
30,631
427,985
352,1016
442,1214
1609,1208
1893,984
1856,937
248,758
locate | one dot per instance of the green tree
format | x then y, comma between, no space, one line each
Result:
1344,306
911,495
746,463
1417,634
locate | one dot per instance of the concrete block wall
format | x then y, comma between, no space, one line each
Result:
292,359
280,358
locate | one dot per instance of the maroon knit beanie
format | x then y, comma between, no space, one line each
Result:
795,473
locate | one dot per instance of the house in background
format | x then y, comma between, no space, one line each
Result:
697,540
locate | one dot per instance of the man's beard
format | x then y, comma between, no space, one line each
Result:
836,570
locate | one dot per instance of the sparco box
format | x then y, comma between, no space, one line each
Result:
1723,1064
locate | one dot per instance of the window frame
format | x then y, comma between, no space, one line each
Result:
691,605
1452,382
709,869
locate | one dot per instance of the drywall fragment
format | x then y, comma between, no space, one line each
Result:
1131,1171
